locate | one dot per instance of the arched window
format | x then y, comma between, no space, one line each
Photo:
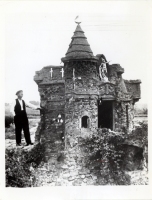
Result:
85,122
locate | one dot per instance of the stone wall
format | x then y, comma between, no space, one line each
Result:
88,159
123,115
73,120
80,85
133,87
73,91
52,95
114,71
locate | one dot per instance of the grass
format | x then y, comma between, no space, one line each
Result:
10,131
20,164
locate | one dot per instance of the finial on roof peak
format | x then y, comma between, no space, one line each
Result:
77,20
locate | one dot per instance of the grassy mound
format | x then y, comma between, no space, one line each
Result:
20,163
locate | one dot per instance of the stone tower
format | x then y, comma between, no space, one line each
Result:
84,95
81,80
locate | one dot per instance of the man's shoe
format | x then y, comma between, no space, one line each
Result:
29,144
18,144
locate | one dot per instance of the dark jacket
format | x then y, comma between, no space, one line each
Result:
17,107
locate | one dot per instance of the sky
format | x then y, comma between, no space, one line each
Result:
37,34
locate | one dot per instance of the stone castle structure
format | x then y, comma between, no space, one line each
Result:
85,94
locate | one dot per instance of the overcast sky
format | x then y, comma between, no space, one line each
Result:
37,34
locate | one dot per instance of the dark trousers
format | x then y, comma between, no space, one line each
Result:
21,122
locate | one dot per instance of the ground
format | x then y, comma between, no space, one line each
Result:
10,134
55,174
139,177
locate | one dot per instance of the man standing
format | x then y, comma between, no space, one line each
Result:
18,109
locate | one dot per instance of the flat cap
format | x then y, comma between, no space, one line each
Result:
19,92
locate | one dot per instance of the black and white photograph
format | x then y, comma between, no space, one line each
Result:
77,93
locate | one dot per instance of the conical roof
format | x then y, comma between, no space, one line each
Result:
79,47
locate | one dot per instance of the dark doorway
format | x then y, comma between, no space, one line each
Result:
105,114
85,122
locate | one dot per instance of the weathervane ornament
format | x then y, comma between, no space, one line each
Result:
77,20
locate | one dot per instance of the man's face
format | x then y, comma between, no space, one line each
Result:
20,95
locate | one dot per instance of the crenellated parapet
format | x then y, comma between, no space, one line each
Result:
49,75
133,88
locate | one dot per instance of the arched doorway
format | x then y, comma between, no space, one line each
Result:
85,122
